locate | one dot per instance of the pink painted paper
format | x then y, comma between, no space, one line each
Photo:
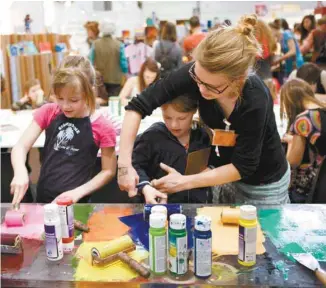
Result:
34,223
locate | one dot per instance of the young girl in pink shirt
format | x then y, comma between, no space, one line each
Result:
74,134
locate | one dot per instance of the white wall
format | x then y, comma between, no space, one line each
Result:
18,11
233,10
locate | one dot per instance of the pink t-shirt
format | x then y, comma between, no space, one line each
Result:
136,55
103,131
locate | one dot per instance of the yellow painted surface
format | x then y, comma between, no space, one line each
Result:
225,237
117,271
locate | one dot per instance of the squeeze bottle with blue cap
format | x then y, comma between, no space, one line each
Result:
157,243
178,245
247,235
203,247
52,227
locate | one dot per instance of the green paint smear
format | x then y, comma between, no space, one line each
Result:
283,228
82,213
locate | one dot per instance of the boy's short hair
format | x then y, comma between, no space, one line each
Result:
184,103
309,72
30,83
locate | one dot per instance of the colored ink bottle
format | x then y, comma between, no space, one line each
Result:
157,243
247,235
203,247
52,227
160,209
178,246
66,213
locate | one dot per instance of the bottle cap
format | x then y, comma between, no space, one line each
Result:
157,220
159,209
178,221
64,201
203,223
248,212
51,212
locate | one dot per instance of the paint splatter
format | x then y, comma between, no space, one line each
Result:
294,230
13,263
34,223
105,224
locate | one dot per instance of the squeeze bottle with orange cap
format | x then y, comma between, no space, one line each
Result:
66,213
247,235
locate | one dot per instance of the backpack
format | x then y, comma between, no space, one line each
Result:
167,63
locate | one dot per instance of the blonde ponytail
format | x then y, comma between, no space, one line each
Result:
231,51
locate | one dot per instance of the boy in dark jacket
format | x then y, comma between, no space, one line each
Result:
170,143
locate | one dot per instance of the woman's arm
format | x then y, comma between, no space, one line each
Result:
155,95
109,167
175,182
126,90
20,182
296,150
290,53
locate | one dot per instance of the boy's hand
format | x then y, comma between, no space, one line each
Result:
152,195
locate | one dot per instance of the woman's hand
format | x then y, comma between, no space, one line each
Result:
287,138
74,195
153,196
128,179
19,186
171,183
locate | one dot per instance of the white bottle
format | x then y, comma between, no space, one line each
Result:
52,228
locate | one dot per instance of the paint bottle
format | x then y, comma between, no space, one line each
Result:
160,209
203,247
178,246
157,243
52,228
66,213
247,235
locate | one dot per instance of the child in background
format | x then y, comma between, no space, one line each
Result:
170,143
33,96
74,134
307,145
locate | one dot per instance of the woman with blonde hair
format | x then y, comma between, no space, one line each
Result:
236,104
307,125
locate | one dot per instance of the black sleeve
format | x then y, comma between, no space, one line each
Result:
252,128
175,84
141,157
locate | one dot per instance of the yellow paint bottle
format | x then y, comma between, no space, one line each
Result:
247,235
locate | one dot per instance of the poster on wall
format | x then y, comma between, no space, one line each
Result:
261,10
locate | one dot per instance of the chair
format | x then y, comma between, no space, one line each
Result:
318,191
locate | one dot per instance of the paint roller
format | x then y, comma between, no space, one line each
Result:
107,253
11,244
230,215
14,217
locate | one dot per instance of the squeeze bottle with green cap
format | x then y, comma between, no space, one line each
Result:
203,247
178,246
52,228
157,243
247,235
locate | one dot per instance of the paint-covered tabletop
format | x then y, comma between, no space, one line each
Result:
288,229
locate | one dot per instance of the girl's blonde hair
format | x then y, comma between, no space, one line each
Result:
295,94
231,51
78,72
